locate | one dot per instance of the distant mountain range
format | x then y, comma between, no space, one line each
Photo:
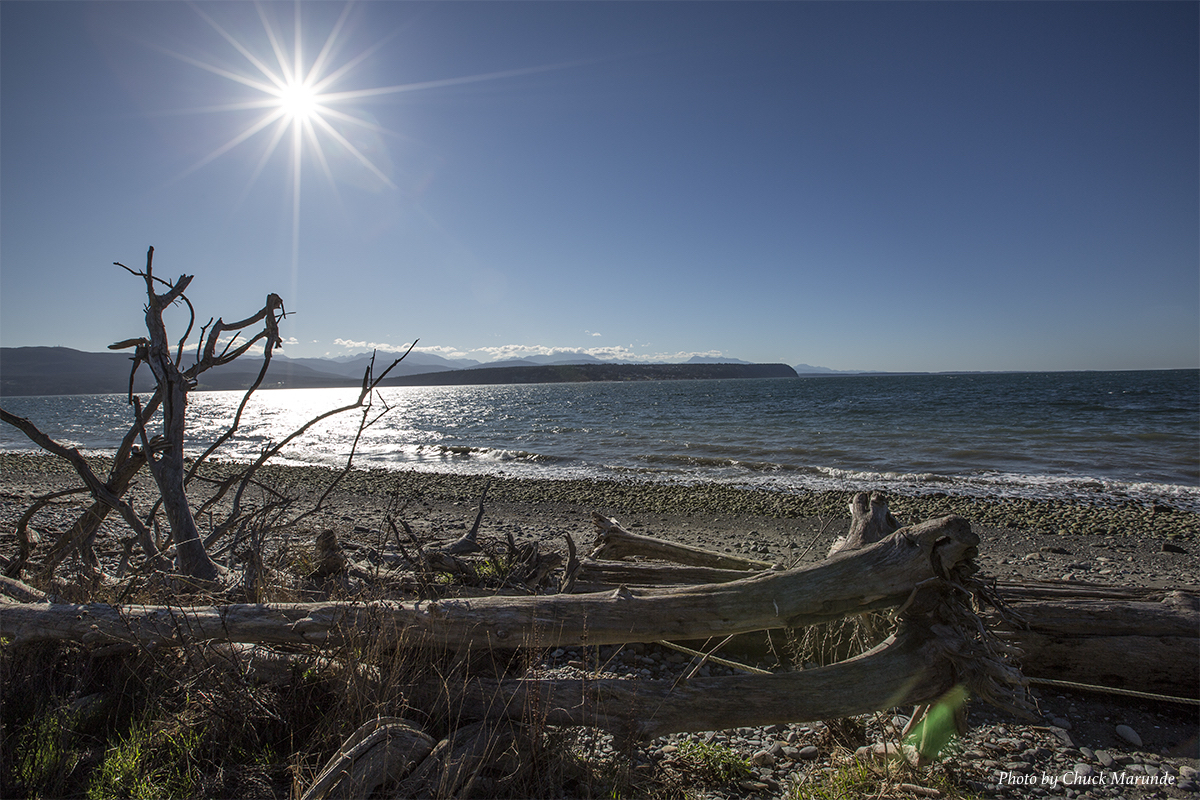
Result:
61,370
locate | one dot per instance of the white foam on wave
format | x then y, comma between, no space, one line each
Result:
1094,491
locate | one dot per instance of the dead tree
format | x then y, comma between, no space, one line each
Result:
164,453
173,386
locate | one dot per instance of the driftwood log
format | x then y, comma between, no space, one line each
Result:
870,521
613,542
384,749
910,668
596,575
1105,636
1117,637
879,576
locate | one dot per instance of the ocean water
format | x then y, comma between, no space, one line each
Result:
1102,437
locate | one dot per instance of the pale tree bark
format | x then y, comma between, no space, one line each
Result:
870,521
174,384
191,558
614,542
882,575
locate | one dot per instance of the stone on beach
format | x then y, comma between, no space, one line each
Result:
1130,735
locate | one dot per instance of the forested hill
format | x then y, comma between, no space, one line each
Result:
60,370
580,373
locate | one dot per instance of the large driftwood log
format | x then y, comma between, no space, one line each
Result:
879,576
908,669
1118,637
453,767
614,542
610,574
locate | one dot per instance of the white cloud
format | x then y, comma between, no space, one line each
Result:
444,351
384,347
513,351
608,353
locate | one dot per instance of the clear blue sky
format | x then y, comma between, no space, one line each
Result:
893,186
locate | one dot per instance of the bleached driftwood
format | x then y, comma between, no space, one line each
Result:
384,749
870,521
1109,636
1118,637
610,574
455,763
878,576
614,542
13,590
911,667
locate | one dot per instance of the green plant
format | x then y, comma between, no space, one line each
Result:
714,763
851,780
934,732
859,780
46,754
148,762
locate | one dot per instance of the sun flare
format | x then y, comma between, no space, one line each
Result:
299,102
306,102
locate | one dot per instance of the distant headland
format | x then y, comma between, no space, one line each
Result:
583,373
61,370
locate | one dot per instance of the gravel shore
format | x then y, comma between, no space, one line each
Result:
1131,543
1128,544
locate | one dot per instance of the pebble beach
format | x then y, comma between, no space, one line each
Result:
1152,743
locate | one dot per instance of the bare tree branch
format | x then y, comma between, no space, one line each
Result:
98,489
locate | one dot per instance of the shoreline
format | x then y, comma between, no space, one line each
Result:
378,487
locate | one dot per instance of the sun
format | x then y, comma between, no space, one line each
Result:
295,93
307,101
299,102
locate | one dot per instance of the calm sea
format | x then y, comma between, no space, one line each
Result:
1100,436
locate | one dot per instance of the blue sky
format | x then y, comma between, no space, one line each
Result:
891,186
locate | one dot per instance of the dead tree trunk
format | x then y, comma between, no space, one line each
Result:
879,576
1117,637
192,558
908,669
168,470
